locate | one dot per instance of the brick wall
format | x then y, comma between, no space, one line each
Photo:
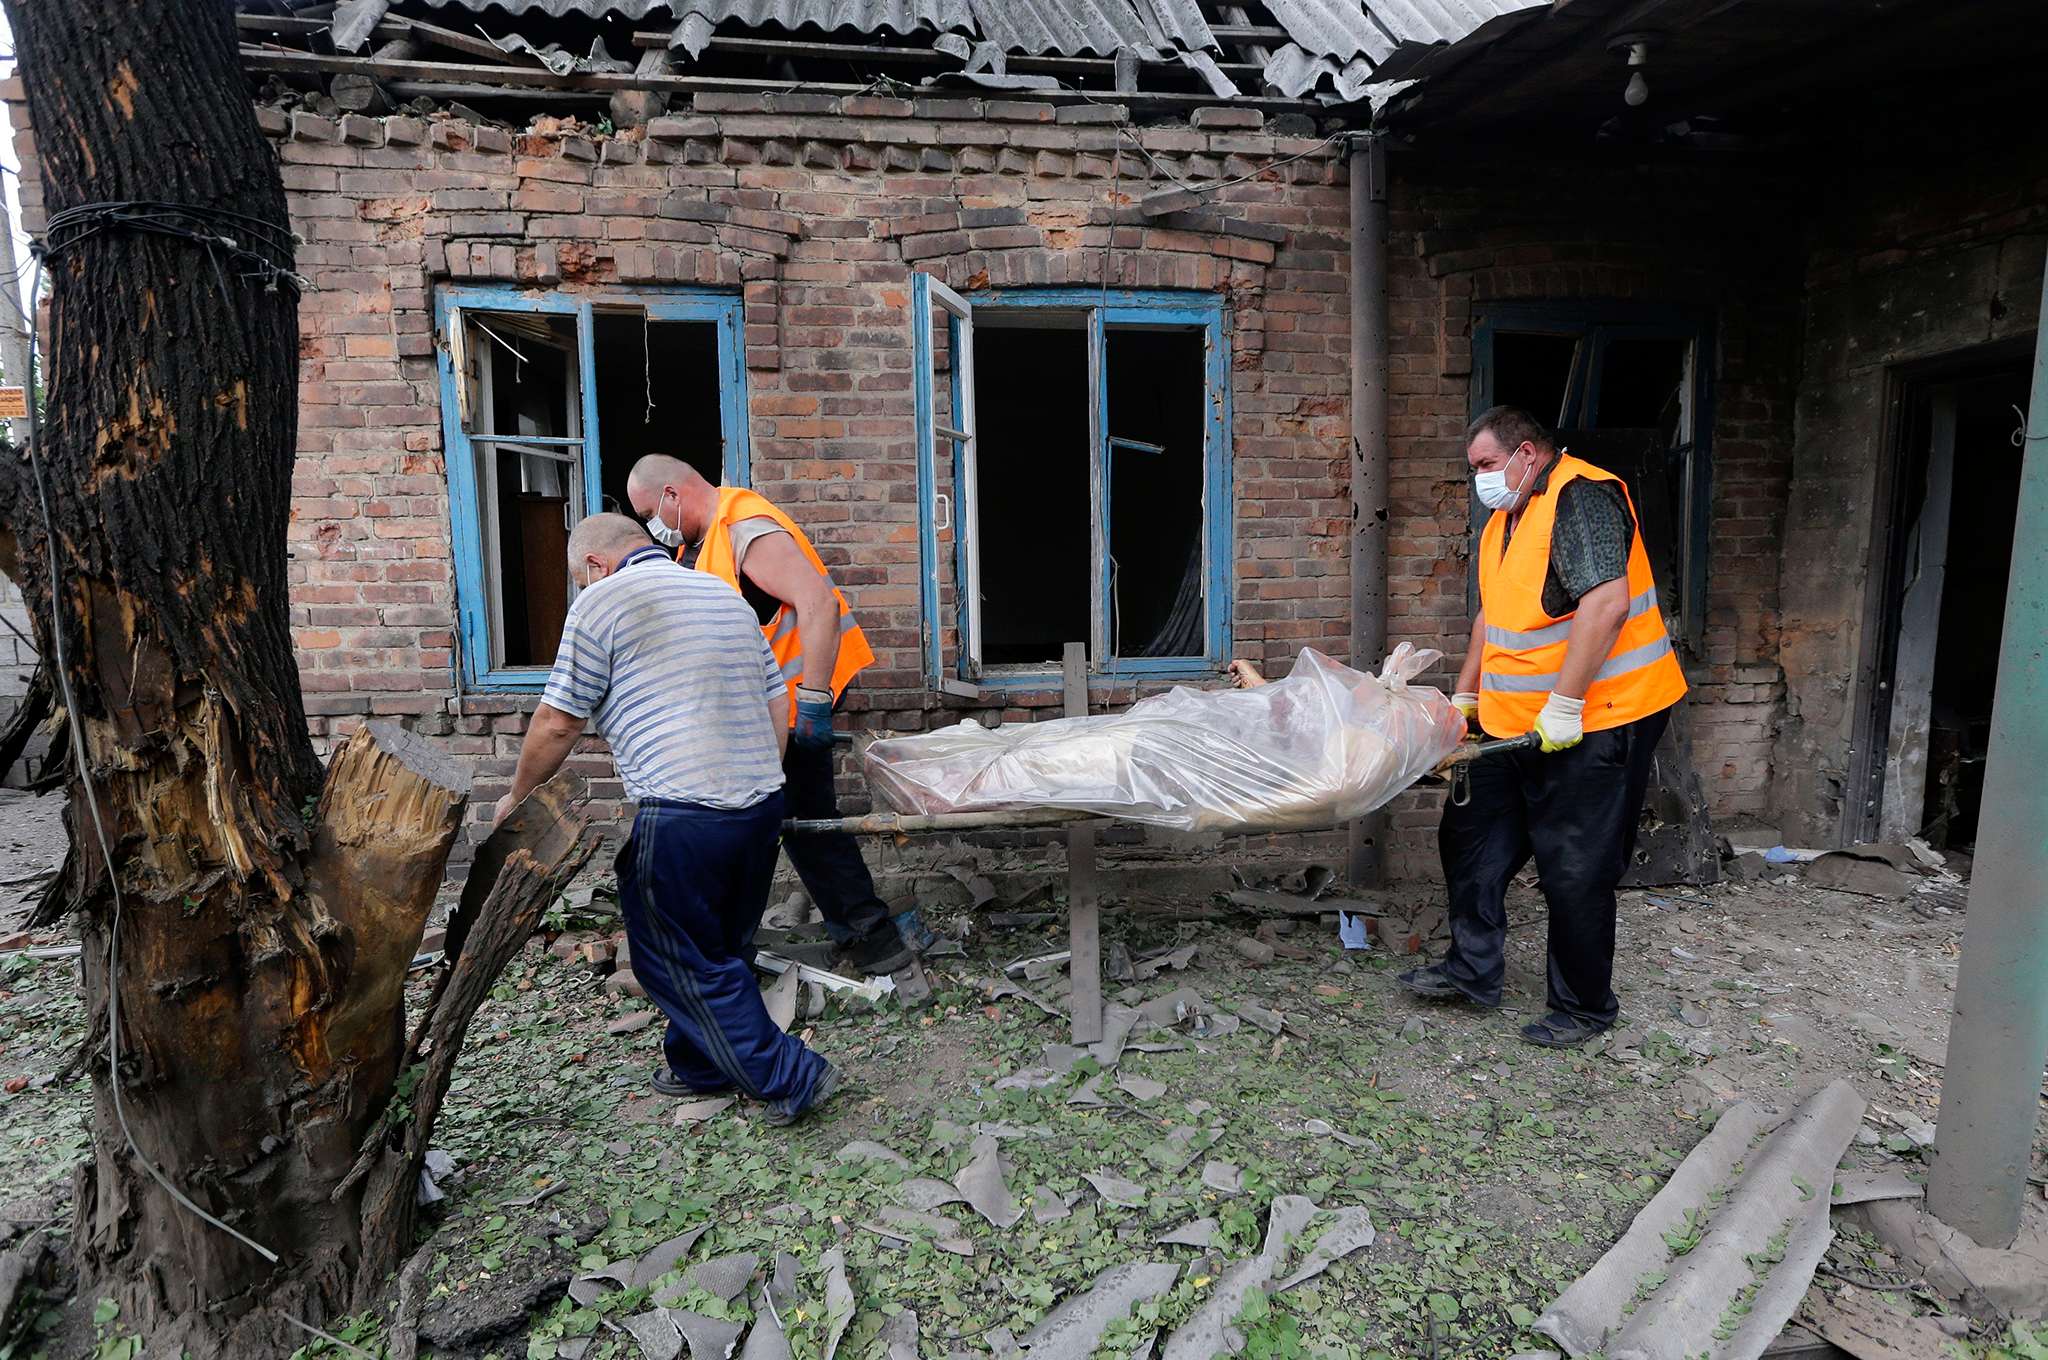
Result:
818,210
1913,252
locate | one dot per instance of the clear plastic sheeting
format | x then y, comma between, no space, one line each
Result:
1321,747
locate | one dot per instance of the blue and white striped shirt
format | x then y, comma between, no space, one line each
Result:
674,669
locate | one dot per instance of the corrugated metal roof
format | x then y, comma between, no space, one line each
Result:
862,16
1442,21
1332,28
1340,49
1295,73
1067,28
624,9
1181,22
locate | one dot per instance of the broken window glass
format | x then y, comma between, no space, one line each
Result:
529,451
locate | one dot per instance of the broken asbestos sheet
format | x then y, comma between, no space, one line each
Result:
1716,1263
1323,746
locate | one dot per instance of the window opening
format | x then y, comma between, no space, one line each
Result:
1644,384
1032,494
1534,372
548,407
1154,393
1093,476
1623,389
676,364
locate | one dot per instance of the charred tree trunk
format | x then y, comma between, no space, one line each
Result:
262,939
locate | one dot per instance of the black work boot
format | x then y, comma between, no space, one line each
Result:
880,951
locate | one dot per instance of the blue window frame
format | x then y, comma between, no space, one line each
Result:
529,380
1606,365
1085,485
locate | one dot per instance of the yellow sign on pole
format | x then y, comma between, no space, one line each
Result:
13,403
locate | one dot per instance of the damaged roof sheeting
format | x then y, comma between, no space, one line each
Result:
1340,51
1716,1263
1354,45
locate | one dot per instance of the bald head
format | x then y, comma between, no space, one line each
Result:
598,544
668,489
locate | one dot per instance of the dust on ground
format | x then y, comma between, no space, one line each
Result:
1495,1171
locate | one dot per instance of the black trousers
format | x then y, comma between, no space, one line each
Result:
830,866
1576,812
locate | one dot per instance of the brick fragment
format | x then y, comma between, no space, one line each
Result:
719,101
357,130
1092,113
671,128
874,106
311,127
984,217
1002,111
1217,117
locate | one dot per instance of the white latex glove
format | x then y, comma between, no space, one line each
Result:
1558,725
1466,703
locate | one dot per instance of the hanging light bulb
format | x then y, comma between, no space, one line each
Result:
1637,46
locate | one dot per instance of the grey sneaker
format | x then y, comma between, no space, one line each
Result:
780,1113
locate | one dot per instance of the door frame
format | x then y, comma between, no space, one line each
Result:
1886,569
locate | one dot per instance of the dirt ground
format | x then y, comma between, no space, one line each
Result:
1495,1172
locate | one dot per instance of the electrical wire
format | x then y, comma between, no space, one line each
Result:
92,802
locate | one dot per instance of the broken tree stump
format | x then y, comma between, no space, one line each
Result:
545,848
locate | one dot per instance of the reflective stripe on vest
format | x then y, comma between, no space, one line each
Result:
1621,663
715,557
1559,632
1524,646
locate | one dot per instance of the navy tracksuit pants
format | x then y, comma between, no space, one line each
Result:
693,882
1576,812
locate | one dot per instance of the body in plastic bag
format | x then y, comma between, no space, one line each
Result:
1316,749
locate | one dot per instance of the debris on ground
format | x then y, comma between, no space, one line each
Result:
1490,1175
1718,1261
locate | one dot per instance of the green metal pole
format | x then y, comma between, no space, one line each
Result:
1998,1038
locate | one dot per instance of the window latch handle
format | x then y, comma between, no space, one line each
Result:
944,505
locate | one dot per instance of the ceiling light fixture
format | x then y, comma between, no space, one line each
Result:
1637,46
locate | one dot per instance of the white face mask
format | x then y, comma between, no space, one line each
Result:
1494,492
662,532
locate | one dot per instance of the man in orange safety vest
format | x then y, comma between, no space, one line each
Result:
1569,644
739,537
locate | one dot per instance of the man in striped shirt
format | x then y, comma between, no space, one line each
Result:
674,669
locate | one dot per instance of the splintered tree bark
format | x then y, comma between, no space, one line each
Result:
263,924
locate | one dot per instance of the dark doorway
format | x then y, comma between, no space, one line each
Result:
1954,508
657,392
1033,504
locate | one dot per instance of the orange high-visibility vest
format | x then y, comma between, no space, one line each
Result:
1525,647
715,556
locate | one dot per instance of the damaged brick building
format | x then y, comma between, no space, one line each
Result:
1039,318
